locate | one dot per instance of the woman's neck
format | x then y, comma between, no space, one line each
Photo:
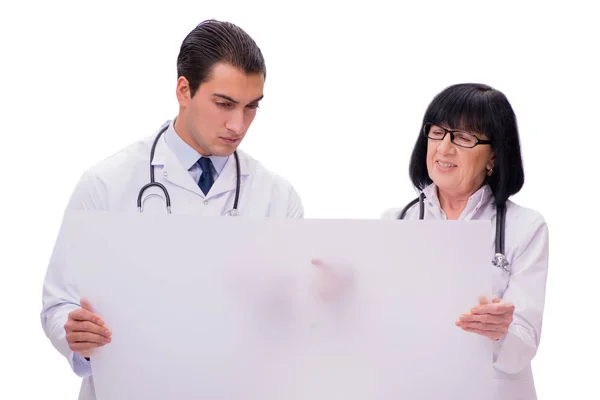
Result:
452,205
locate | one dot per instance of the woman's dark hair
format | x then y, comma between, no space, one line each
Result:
212,42
479,109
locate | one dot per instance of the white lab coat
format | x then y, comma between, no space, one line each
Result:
113,185
526,248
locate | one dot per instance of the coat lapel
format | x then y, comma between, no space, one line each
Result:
227,180
172,170
174,173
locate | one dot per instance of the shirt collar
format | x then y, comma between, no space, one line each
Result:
187,156
477,200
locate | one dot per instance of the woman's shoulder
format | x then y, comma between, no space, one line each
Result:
525,223
515,211
391,213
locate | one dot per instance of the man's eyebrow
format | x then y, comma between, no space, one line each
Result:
223,96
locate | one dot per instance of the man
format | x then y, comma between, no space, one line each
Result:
221,74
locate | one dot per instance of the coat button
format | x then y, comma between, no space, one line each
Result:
205,202
165,174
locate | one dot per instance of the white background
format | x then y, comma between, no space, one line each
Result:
346,90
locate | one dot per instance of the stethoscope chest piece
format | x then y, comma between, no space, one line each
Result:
232,213
500,261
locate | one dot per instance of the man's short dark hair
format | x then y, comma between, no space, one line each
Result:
477,108
212,42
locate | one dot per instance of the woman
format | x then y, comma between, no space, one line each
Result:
467,163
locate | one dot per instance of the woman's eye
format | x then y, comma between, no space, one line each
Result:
464,138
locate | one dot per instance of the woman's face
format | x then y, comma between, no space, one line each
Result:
455,170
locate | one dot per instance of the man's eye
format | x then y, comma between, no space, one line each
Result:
224,105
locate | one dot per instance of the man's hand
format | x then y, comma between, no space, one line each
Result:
488,319
85,330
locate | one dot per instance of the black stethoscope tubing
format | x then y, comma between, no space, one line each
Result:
499,257
166,192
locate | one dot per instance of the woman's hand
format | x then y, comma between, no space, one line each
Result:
488,319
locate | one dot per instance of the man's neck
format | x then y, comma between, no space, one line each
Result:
186,136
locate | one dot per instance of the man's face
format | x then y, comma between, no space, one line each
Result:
216,119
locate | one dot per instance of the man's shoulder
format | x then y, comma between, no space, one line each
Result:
92,189
135,153
285,200
257,169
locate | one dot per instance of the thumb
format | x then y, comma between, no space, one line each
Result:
85,304
322,266
496,299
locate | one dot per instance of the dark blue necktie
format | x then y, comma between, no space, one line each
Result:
207,178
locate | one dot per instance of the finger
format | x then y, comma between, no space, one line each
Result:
496,299
478,331
81,347
320,264
484,318
75,337
483,326
85,315
326,270
494,308
85,304
87,326
487,334
483,300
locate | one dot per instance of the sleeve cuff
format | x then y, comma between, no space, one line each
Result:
81,366
513,352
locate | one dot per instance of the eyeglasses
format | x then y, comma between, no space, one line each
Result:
458,137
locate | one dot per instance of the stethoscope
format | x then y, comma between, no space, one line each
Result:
499,260
232,213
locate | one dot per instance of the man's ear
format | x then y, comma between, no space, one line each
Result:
183,92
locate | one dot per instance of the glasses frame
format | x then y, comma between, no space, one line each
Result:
451,132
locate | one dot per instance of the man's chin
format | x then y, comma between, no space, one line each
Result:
225,149
221,152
